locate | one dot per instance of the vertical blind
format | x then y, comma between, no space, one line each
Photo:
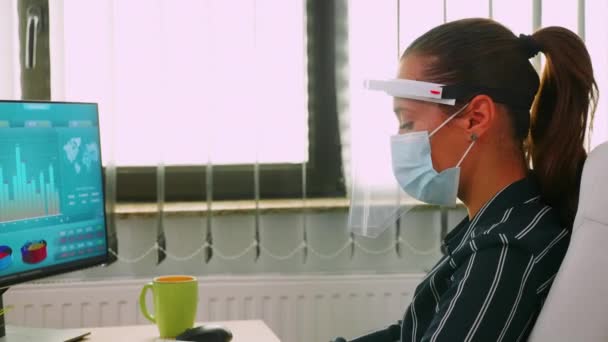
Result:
9,42
224,82
188,83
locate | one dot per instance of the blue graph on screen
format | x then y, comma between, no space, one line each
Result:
30,190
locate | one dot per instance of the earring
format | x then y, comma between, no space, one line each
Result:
474,137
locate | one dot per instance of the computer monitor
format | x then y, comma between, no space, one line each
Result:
52,208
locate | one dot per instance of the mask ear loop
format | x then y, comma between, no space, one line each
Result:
448,120
474,138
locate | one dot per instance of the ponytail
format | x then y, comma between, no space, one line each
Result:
564,105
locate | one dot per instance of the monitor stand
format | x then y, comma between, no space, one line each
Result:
11,333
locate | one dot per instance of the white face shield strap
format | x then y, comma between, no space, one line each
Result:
377,201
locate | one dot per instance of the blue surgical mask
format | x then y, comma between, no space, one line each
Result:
413,167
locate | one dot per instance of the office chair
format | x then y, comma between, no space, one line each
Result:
576,308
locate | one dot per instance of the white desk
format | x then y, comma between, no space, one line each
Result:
242,331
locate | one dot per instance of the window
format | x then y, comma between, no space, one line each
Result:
243,95
219,92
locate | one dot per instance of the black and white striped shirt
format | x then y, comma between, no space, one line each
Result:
496,272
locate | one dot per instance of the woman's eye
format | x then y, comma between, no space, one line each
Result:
408,125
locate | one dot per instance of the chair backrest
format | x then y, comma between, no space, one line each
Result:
576,308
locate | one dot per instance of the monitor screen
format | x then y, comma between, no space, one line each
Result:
52,217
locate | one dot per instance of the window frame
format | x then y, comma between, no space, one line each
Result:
35,80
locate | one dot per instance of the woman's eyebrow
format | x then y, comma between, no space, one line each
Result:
407,125
400,109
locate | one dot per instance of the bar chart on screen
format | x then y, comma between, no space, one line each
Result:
29,183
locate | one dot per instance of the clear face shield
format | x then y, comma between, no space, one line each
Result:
377,200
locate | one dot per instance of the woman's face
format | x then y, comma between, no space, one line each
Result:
449,143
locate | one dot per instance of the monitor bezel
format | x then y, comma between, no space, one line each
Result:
50,271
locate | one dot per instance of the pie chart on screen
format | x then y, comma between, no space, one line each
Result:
6,257
33,252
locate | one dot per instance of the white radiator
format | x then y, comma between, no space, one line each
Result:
296,308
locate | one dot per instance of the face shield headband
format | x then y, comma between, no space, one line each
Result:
448,94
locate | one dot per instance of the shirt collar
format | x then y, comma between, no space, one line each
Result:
518,192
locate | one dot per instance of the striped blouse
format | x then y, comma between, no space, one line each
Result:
495,273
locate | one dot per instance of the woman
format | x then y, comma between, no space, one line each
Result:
518,143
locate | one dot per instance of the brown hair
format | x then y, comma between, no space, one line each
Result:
484,53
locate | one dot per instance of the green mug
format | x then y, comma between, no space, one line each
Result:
175,300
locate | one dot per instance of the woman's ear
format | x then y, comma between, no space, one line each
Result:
479,116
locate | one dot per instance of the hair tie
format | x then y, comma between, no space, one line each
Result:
529,45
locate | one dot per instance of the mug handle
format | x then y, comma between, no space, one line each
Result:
142,302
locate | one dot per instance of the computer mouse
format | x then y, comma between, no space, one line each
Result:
206,333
